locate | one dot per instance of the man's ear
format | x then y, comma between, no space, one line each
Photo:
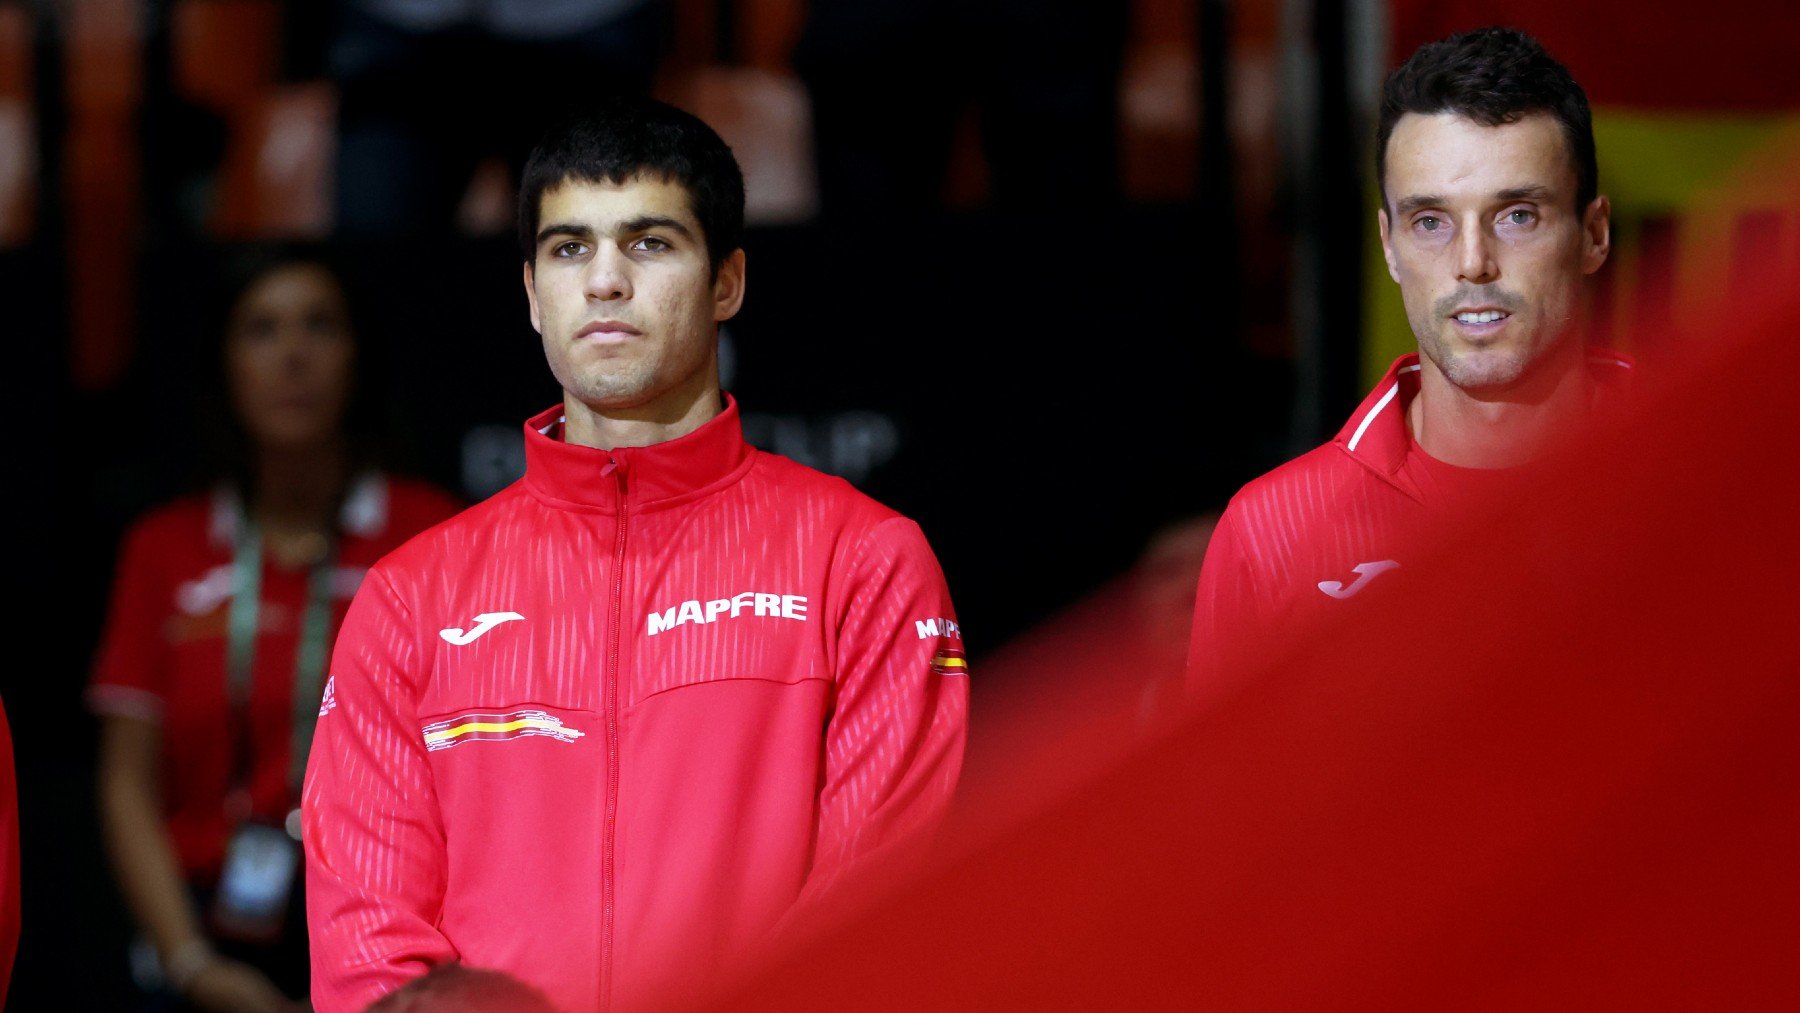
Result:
1596,234
1387,247
728,288
537,323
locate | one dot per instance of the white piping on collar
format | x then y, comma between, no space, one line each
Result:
222,525
1363,426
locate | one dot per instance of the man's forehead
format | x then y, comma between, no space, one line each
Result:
1447,152
601,203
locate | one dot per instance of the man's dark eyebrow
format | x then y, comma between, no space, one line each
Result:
644,223
1407,205
1535,192
569,229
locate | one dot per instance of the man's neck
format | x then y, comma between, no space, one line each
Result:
1502,430
669,418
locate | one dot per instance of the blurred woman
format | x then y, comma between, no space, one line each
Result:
211,669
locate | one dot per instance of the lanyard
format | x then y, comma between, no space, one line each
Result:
309,658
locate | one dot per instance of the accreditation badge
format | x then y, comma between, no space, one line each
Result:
261,866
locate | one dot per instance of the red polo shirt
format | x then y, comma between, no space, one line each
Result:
1323,532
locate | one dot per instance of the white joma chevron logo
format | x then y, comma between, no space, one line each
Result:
483,623
1365,572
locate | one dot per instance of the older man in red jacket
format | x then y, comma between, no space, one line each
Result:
1491,222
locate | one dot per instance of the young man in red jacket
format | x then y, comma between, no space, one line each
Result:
610,727
1491,221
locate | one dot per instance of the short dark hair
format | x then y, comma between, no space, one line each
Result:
1492,76
625,137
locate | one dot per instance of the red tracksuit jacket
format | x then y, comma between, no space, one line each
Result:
606,728
1328,527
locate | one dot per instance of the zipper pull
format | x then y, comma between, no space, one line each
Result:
615,466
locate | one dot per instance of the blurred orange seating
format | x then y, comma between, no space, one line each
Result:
225,56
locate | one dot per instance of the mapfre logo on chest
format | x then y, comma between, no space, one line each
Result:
754,603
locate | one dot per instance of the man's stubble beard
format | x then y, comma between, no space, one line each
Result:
625,386
1476,369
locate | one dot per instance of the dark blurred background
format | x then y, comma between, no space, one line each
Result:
1053,278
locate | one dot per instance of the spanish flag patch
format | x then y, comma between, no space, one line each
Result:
949,661
484,726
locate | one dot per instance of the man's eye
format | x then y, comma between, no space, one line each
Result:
1521,216
1429,223
651,244
572,248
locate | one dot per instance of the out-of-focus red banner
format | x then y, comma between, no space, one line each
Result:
1675,57
1561,769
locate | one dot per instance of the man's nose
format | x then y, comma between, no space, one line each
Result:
608,275
1475,255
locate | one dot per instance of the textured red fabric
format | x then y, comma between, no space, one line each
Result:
1325,532
1554,770
1627,53
613,793
162,654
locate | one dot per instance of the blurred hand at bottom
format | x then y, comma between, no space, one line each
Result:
230,986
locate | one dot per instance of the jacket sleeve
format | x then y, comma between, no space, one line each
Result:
375,860
894,741
1227,616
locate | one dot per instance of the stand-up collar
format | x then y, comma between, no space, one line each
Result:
1377,434
585,478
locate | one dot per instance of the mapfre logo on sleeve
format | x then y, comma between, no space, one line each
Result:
929,628
948,659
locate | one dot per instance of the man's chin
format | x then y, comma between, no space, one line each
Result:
610,393
612,400
1483,372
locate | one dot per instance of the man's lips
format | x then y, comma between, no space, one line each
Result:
604,330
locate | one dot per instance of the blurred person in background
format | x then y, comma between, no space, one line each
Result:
223,609
431,88
1491,223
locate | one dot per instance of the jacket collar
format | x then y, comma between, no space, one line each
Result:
1377,436
574,477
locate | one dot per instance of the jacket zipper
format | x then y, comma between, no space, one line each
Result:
607,846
